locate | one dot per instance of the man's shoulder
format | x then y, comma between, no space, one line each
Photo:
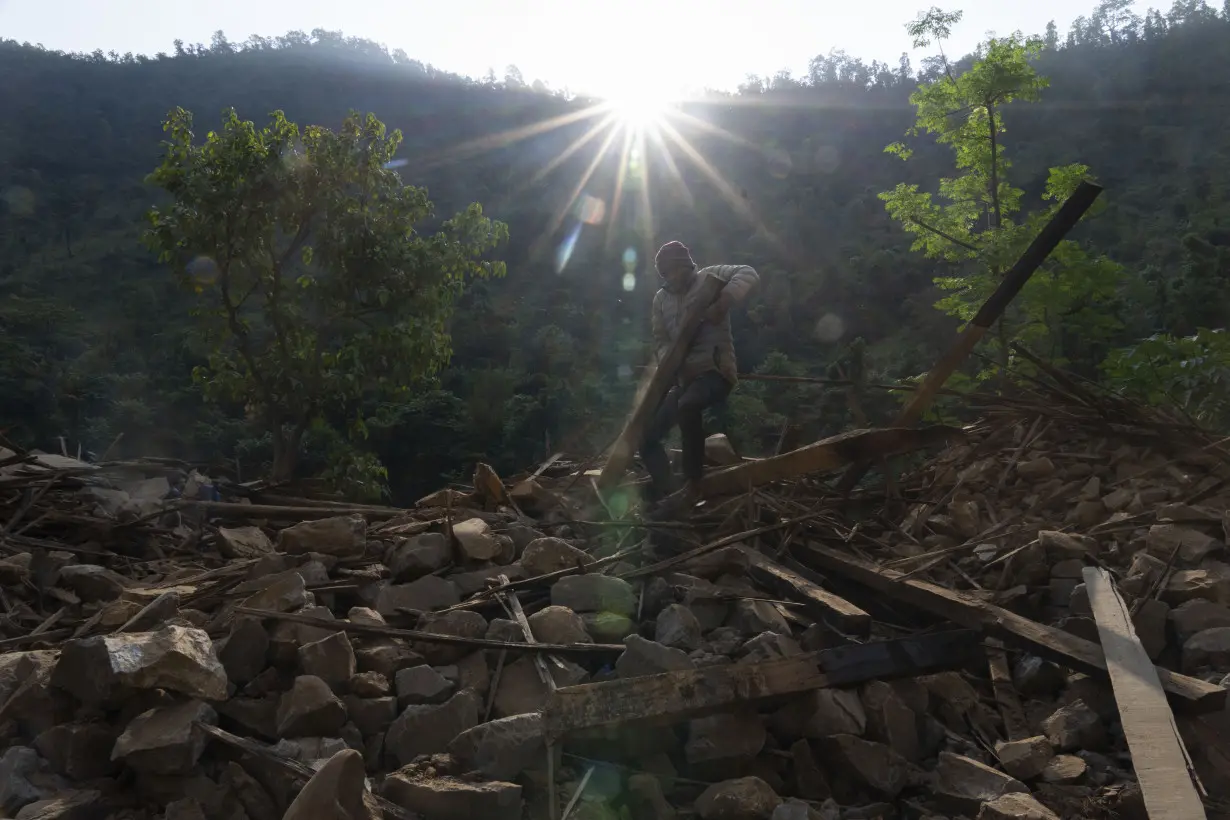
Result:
718,270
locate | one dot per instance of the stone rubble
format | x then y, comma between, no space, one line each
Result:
117,710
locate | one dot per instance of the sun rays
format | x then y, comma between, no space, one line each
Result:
638,132
639,111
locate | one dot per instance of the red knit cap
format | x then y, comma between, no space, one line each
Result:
672,252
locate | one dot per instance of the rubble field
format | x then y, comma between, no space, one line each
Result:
935,646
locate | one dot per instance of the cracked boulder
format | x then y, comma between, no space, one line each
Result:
176,658
595,593
476,540
331,659
451,798
338,791
243,542
645,657
310,709
429,728
419,556
543,556
558,625
1015,806
1025,759
678,628
343,536
165,740
964,784
1075,726
501,749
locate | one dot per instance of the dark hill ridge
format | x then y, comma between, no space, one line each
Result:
96,344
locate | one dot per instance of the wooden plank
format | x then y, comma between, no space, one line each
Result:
1015,724
1189,694
674,696
1158,757
824,455
655,386
833,610
1018,275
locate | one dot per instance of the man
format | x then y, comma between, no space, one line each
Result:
708,373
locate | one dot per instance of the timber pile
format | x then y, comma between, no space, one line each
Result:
525,649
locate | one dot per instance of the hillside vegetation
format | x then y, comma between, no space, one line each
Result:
99,339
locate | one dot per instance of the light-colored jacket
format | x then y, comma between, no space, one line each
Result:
714,347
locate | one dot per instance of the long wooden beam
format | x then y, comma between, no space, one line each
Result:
827,454
655,386
1190,694
992,309
670,697
1158,756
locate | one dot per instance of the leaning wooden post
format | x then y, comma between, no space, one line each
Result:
655,386
1047,239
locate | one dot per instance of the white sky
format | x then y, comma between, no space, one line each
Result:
598,46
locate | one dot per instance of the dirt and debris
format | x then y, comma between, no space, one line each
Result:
177,648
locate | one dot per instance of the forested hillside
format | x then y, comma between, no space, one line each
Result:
97,341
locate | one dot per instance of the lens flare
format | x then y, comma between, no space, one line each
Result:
640,107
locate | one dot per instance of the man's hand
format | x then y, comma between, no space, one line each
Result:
720,307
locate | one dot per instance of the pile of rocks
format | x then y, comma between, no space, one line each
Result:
1020,525
390,655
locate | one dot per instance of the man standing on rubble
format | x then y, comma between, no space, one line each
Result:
708,372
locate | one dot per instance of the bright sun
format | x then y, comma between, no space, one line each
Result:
639,108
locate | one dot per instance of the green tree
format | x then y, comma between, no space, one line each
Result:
1115,22
316,290
1191,373
977,222
1051,40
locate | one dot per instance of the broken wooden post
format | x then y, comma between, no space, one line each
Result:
1064,648
992,309
826,454
655,386
674,696
833,610
1158,755
1016,727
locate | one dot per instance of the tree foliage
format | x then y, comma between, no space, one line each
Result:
1191,373
317,288
978,221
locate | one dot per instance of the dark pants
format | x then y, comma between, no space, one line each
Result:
686,407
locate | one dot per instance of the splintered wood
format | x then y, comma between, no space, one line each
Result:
819,603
